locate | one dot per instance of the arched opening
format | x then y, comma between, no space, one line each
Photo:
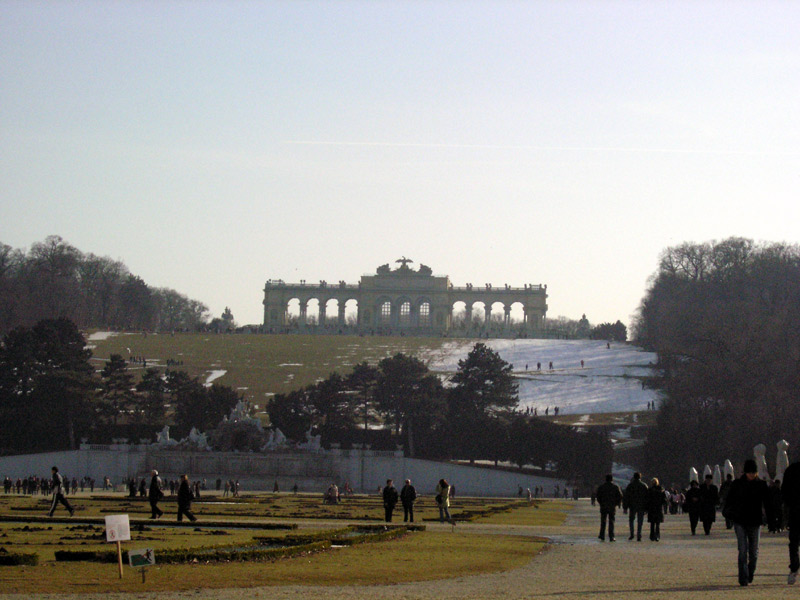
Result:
459,319
404,313
498,315
293,311
332,312
478,317
312,312
351,313
424,314
517,316
385,312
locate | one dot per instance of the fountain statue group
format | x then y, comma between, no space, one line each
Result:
276,440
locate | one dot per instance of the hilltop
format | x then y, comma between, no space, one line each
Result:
262,365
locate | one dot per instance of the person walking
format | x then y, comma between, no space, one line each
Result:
709,499
443,501
185,497
57,487
609,496
155,494
748,500
692,505
790,491
634,501
408,496
390,496
723,496
655,509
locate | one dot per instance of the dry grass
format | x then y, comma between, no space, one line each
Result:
416,557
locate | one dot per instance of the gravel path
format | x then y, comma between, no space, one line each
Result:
576,565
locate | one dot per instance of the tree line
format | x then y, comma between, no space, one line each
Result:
473,416
51,396
54,279
724,319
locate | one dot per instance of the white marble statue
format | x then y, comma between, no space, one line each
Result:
275,440
163,439
241,414
313,442
717,476
760,451
727,468
693,475
280,439
198,439
782,460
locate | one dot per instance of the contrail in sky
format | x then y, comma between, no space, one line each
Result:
540,148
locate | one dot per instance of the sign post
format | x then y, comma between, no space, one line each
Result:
142,558
118,529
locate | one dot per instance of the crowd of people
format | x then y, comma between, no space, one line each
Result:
746,504
33,485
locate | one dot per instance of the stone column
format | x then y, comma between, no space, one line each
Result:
487,315
303,311
341,313
322,312
507,317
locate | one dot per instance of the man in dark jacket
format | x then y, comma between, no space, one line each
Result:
609,496
390,496
747,501
407,497
790,490
154,495
634,500
691,505
709,498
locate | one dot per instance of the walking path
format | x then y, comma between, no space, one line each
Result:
576,566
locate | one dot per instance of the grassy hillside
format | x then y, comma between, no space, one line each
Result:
259,365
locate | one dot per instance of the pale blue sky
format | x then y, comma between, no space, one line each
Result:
214,145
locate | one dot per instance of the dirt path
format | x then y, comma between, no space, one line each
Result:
575,566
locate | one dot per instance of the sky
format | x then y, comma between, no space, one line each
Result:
211,146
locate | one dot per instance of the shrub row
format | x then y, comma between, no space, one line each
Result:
286,546
12,559
202,554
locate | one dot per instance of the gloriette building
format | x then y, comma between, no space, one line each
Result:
404,301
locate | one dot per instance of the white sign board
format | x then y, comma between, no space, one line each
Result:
118,528
142,558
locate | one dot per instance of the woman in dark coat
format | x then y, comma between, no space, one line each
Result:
185,497
655,509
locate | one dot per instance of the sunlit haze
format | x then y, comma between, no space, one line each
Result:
214,145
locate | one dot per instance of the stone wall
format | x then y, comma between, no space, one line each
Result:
364,470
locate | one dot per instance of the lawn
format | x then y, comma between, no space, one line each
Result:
458,551
259,365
